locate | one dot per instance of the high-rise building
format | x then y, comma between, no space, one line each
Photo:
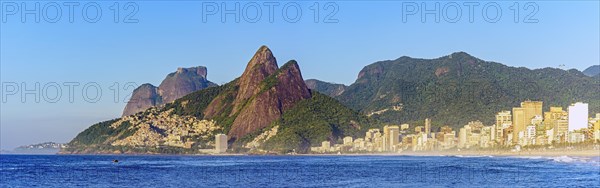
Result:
555,120
578,116
530,135
538,122
462,137
427,126
391,137
370,135
594,127
220,143
503,121
522,117
555,113
561,130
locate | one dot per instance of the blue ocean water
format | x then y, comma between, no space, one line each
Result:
296,171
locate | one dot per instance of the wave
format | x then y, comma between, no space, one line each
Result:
565,159
472,156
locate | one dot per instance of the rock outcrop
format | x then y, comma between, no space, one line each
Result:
174,86
183,82
142,98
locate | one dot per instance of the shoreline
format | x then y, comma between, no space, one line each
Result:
541,153
532,153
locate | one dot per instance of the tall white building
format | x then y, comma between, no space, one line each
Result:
427,126
462,137
578,116
220,143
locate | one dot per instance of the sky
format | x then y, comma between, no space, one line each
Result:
87,64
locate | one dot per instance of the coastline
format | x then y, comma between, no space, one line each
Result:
542,153
554,153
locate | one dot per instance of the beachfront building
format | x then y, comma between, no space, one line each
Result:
577,136
521,118
391,138
594,128
503,122
578,116
220,143
427,126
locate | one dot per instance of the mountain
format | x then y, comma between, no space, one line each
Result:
264,93
458,88
592,71
174,86
142,98
330,89
265,103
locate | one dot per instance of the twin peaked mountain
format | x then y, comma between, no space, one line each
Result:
267,109
260,96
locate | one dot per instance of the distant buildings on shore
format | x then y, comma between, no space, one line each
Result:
523,126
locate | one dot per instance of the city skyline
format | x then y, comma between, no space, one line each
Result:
509,131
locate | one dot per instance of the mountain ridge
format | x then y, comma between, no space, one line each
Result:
408,90
327,88
592,71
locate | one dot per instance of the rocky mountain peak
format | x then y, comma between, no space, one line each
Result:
262,65
183,82
175,85
199,70
273,91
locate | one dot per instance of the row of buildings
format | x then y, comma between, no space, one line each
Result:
524,125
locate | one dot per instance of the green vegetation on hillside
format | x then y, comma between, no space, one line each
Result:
315,120
459,88
97,135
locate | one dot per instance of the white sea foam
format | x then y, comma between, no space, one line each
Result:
565,159
473,156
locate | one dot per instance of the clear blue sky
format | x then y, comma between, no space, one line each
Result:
173,34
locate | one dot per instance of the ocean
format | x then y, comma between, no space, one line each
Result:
297,171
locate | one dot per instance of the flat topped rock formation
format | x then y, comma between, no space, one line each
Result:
174,86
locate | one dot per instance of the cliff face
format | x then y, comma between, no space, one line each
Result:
143,97
183,82
260,67
277,94
261,94
174,86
